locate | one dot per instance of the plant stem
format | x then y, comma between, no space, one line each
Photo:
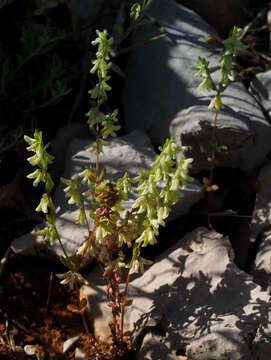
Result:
86,219
60,242
97,158
123,304
88,242
213,151
49,294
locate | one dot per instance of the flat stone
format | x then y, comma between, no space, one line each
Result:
198,298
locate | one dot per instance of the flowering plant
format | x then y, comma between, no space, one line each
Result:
157,189
232,45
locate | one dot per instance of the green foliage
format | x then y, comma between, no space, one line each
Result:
231,47
5,3
33,72
102,125
155,191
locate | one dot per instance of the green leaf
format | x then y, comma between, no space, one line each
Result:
92,214
66,262
135,11
5,3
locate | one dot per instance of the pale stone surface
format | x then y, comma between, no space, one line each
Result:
159,75
69,343
200,300
154,347
261,269
241,127
261,218
129,153
260,229
260,87
161,95
79,355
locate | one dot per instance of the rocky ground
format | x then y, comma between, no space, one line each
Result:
207,294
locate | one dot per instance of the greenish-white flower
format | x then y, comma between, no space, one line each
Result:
44,204
147,237
138,265
48,233
37,175
71,278
73,191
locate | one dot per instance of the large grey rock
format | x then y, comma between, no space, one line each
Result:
241,127
260,229
129,153
155,347
159,75
261,269
198,300
222,15
260,87
261,217
161,96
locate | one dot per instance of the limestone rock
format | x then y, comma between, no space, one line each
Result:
88,10
261,269
241,127
199,300
260,87
261,218
222,15
159,75
154,347
162,98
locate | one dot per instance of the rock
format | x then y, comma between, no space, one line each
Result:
88,10
162,97
261,269
261,218
261,89
261,341
79,355
126,154
198,299
222,15
69,343
260,229
159,75
241,127
154,347
61,142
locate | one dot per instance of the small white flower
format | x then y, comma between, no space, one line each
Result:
71,277
138,265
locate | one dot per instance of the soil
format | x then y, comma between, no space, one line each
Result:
25,318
